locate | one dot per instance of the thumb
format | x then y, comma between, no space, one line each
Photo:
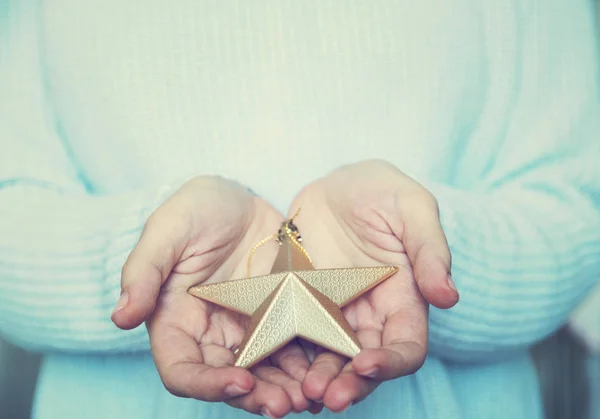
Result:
427,248
146,269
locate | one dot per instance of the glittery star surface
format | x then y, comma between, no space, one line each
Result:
295,300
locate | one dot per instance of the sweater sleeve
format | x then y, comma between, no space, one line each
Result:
525,238
61,246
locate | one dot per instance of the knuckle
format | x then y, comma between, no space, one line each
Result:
419,253
329,363
419,362
418,359
155,217
171,224
155,221
125,272
379,162
414,200
286,356
171,387
428,199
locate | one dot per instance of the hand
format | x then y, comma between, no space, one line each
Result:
204,233
370,214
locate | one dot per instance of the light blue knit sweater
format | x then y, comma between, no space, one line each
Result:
106,106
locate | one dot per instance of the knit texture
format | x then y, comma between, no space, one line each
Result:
105,107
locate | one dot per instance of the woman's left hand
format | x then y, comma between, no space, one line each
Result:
371,214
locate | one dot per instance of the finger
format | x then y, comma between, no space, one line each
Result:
328,365
292,387
265,399
403,350
346,389
349,387
292,360
392,361
427,249
369,337
185,372
324,369
147,268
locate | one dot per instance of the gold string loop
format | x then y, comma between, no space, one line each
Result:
288,229
254,249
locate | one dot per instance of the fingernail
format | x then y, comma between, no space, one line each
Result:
233,390
372,373
451,283
123,300
265,412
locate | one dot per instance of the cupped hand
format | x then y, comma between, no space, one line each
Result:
370,214
204,233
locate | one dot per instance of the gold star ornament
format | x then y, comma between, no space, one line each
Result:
294,300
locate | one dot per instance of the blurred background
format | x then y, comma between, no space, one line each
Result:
564,366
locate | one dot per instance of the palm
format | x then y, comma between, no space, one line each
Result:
187,332
183,319
392,312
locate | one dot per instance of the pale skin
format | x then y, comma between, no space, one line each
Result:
365,214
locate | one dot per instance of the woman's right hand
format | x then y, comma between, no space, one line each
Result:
204,234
